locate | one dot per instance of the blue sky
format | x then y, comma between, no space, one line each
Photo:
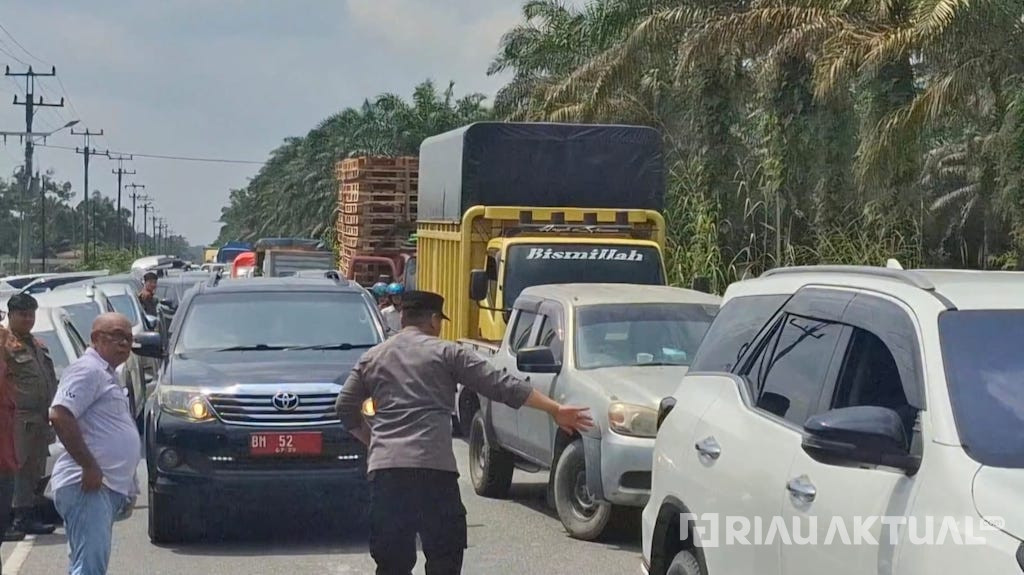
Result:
227,79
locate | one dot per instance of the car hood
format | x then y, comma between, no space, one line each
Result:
224,369
636,384
998,494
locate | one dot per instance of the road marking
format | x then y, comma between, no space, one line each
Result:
19,555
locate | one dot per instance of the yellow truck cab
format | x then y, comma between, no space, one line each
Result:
507,206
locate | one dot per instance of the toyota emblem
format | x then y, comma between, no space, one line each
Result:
285,401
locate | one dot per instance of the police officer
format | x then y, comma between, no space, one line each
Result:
31,369
411,382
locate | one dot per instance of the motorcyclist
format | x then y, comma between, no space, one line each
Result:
393,312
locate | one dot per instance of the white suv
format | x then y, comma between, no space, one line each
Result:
880,399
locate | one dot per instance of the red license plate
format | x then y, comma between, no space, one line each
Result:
301,443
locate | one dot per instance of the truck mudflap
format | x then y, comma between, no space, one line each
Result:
592,456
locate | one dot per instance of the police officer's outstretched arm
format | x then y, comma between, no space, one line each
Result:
350,404
478,374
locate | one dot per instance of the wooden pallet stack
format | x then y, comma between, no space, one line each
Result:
377,200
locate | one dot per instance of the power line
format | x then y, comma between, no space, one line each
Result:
23,49
165,157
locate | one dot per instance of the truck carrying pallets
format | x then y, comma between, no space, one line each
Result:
377,209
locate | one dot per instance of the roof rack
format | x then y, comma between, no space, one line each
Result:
908,277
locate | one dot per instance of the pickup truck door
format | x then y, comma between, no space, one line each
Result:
536,428
504,418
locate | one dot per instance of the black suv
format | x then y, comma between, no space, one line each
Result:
244,409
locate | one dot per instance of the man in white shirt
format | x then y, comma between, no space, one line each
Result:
392,314
94,480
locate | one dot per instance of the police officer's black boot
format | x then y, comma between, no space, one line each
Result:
25,520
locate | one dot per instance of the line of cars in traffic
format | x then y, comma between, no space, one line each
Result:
873,397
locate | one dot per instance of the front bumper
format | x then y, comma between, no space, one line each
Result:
625,464
215,461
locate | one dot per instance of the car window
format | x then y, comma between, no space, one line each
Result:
870,376
124,305
981,352
789,374
57,353
615,335
521,331
82,315
286,319
735,327
77,341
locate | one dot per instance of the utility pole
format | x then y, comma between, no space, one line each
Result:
120,171
145,214
135,195
42,216
86,151
155,239
30,104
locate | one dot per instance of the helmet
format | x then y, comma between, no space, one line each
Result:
380,289
395,289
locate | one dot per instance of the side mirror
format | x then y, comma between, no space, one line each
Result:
862,435
478,285
664,408
149,344
537,360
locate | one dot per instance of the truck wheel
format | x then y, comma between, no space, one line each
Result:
582,516
169,519
685,563
490,467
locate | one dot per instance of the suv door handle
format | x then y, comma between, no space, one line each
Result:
802,489
708,447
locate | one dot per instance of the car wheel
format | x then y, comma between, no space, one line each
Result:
490,467
170,520
684,563
581,514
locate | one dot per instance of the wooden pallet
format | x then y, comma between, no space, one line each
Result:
357,197
372,244
386,218
396,208
396,186
372,162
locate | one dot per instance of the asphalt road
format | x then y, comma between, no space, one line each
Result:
516,536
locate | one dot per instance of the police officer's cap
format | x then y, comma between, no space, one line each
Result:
22,302
425,301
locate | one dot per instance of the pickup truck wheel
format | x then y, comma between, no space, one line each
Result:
582,516
490,468
684,563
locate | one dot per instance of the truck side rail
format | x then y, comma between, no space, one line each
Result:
486,348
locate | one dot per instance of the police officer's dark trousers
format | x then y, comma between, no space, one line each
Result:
407,502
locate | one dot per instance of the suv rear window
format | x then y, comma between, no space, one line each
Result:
981,350
735,326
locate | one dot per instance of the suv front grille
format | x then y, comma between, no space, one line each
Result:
258,409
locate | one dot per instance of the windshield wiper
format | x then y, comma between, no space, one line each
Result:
332,346
257,347
659,363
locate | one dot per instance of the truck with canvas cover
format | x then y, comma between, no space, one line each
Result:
507,206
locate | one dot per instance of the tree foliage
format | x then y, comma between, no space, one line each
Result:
797,131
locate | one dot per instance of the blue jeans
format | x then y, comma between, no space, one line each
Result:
89,523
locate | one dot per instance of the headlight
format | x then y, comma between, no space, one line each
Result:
189,403
635,420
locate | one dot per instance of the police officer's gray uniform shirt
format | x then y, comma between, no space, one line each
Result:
412,379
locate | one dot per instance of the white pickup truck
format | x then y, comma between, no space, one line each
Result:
615,348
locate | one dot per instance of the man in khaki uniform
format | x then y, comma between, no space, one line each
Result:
31,370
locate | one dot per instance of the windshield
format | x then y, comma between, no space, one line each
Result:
640,334
123,305
82,315
541,264
57,352
275,320
984,366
